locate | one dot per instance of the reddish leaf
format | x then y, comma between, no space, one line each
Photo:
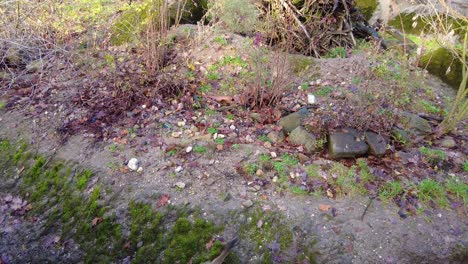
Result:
96,221
163,200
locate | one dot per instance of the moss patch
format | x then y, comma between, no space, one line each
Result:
438,62
367,6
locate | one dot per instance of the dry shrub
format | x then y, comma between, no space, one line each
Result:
269,78
309,27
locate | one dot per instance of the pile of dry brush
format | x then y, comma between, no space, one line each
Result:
313,27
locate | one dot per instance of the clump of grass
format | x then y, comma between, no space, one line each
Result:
199,149
345,180
457,188
430,107
251,168
313,171
431,190
221,40
324,91
390,190
433,156
338,52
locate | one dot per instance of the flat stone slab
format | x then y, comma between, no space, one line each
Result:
300,136
291,121
416,125
377,144
347,144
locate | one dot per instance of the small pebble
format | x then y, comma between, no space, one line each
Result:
179,169
180,185
247,203
133,164
273,154
189,149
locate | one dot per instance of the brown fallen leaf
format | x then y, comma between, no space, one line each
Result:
223,99
324,207
163,200
209,245
96,221
28,207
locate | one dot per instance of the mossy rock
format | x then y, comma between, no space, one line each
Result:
131,23
367,6
404,23
437,62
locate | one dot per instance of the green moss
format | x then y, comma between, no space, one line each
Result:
273,229
433,156
367,6
301,64
438,62
404,23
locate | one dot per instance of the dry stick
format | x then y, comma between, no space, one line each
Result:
288,8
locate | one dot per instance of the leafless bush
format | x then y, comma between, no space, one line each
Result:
270,77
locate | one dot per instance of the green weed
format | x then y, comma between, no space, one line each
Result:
430,107
324,91
251,168
433,155
205,88
221,40
431,190
390,190
212,130
199,149
264,138
338,52
3,104
457,188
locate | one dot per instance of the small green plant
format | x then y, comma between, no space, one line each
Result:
366,175
390,190
324,91
313,171
433,155
212,75
264,158
264,138
210,112
251,168
338,52
230,116
239,16
3,104
465,166
212,130
235,146
220,141
171,152
345,180
221,40
457,188
205,88
431,190
298,190
82,179
199,149
430,107
356,80
320,143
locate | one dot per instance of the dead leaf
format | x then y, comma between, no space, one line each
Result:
223,99
127,245
209,245
324,207
96,221
163,200
28,207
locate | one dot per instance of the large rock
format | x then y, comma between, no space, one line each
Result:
300,136
291,121
347,144
415,125
401,136
276,136
377,144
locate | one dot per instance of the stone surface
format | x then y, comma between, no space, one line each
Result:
347,144
401,136
300,136
377,144
276,136
415,125
291,121
247,203
447,142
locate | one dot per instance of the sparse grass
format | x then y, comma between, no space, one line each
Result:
264,138
3,104
213,75
431,190
298,190
338,52
221,40
171,152
313,171
390,190
220,141
430,107
205,88
465,166
324,91
199,149
433,156
345,180
251,168
230,116
457,188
